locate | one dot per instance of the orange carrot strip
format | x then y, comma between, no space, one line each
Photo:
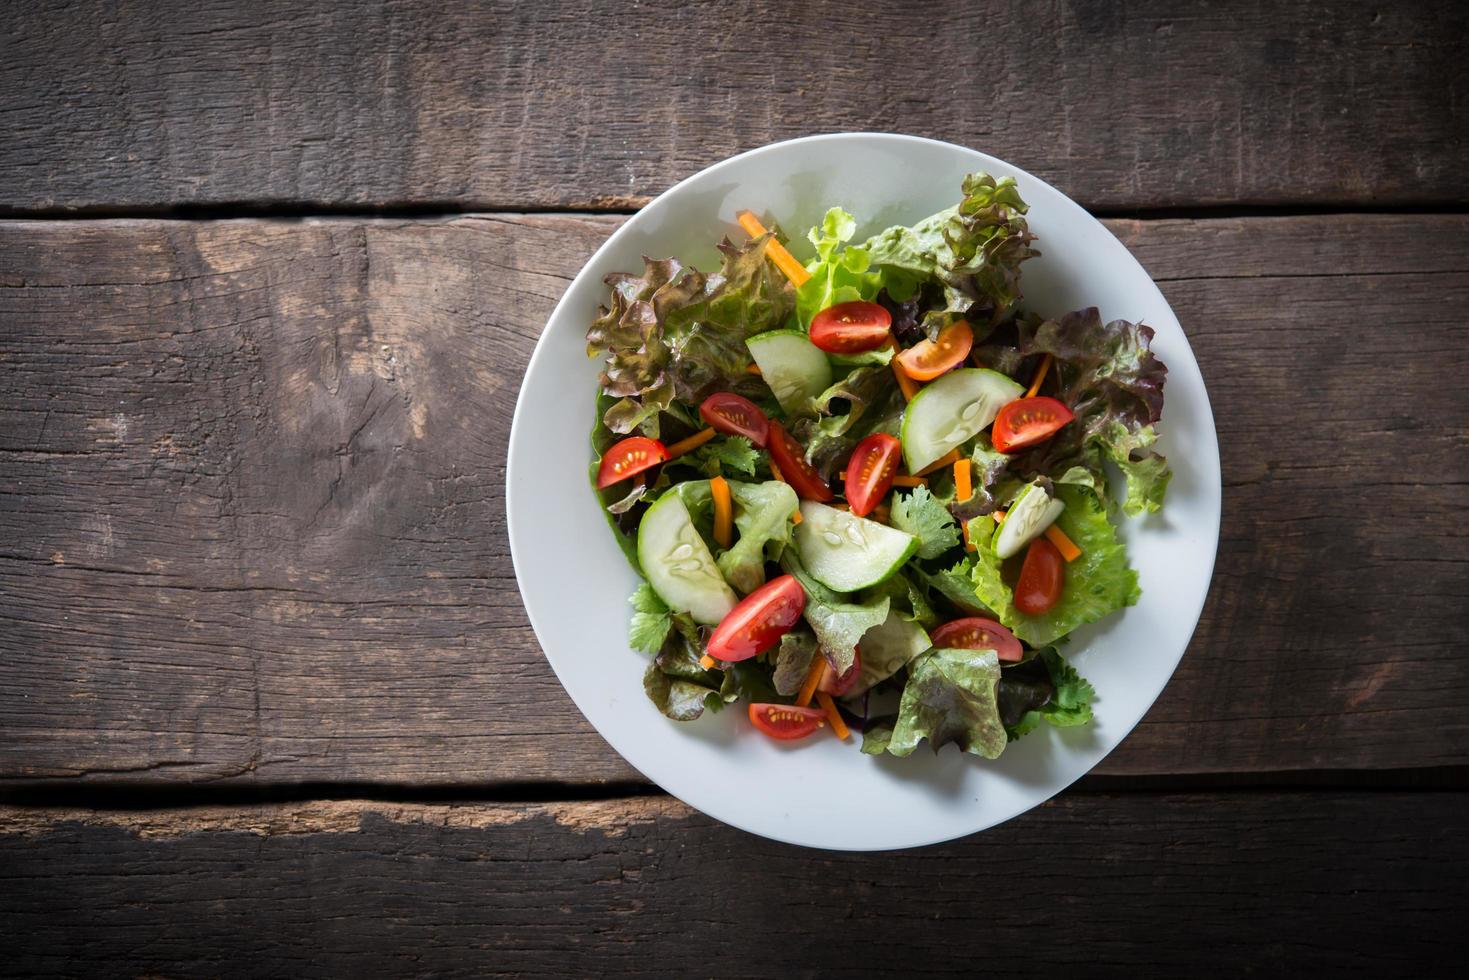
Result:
968,545
775,472
963,480
1040,375
707,662
795,517
999,516
947,459
723,511
907,384
1063,544
813,677
691,443
838,727
910,481
752,369
774,250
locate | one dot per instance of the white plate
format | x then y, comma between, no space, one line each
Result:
821,792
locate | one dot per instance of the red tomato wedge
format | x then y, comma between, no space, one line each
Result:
761,618
975,633
839,686
786,721
1041,578
1027,421
928,359
850,328
736,416
870,472
629,457
790,456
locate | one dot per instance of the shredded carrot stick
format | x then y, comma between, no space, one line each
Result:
1040,375
795,517
691,443
999,516
840,507
907,384
752,369
947,459
774,250
963,480
838,727
707,662
775,472
1063,544
723,511
968,545
902,480
813,677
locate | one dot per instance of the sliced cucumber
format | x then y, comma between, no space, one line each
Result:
795,369
1030,513
952,411
888,647
845,552
678,563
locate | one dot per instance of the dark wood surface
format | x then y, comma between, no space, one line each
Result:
256,503
578,103
257,369
1265,883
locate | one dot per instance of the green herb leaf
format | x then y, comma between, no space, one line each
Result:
651,620
921,515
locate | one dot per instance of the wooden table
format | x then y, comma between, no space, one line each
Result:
269,274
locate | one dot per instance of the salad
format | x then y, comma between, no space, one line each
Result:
871,491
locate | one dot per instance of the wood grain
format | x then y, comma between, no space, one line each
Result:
252,530
578,104
1265,882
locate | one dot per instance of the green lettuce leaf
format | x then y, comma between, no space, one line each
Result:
763,516
1097,583
925,518
793,661
748,680
950,697
675,681
651,620
838,624
678,333
680,700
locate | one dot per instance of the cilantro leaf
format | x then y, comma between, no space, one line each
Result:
651,620
925,518
730,454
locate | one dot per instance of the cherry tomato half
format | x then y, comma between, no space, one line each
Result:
628,457
870,472
761,618
786,721
1027,421
736,416
928,359
790,456
839,686
850,328
975,633
1041,578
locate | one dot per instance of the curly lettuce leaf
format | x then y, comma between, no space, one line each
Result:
762,514
950,697
1109,377
726,456
1098,583
675,681
925,518
1045,689
678,333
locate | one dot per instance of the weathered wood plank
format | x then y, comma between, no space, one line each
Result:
1277,883
251,521
576,104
